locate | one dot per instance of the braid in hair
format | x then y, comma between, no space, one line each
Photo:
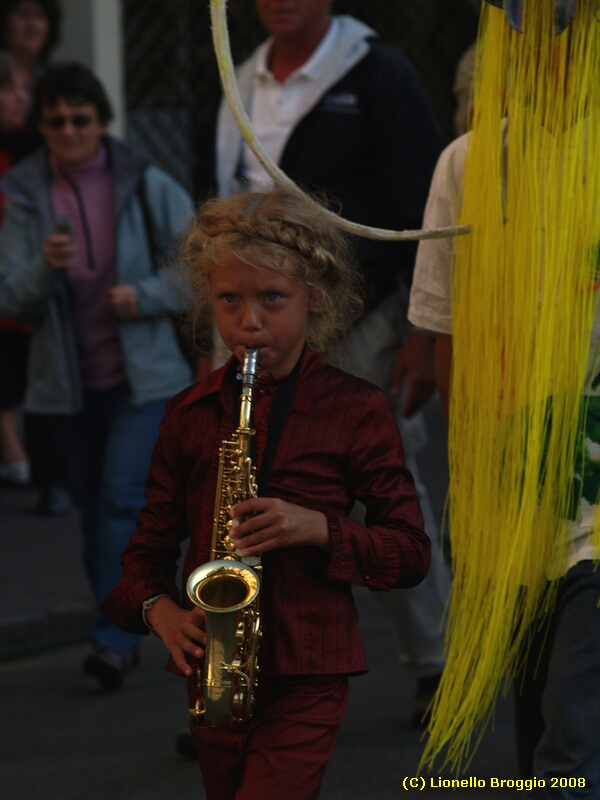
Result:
281,231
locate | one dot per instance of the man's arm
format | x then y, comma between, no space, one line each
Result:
430,298
443,369
415,365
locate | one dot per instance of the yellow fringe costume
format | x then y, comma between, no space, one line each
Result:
524,452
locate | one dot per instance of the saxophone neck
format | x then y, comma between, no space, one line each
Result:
249,370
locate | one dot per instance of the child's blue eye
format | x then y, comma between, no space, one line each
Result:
273,296
228,298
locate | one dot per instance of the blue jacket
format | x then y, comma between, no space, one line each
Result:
31,291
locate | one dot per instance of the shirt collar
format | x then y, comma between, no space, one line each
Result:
311,68
222,382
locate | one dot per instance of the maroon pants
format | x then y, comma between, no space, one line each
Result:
282,752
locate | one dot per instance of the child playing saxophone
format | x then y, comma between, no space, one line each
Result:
277,276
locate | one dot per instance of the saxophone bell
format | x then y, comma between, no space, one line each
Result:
226,590
222,586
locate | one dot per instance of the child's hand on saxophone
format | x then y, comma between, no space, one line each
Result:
181,630
273,524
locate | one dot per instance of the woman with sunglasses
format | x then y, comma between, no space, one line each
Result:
89,226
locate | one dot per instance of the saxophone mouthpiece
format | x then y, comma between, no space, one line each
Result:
250,366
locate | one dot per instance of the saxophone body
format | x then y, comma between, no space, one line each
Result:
228,586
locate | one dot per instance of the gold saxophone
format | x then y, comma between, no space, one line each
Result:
227,587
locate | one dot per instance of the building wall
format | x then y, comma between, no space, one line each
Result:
92,33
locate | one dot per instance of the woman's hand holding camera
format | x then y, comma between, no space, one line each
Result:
59,251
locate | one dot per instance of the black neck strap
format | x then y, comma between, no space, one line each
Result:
276,420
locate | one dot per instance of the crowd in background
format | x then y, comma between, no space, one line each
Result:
57,390
89,344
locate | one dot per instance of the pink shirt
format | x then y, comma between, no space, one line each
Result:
85,193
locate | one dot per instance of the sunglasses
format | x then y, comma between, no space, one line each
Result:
60,120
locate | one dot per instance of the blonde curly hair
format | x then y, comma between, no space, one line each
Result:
282,231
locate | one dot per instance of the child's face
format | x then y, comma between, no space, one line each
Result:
260,308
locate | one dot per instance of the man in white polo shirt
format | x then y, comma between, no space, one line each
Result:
343,114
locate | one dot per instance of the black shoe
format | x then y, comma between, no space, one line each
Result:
52,502
426,688
108,666
15,474
185,745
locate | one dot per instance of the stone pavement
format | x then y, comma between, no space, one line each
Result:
45,599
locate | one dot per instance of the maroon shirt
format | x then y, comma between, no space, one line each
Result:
340,443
